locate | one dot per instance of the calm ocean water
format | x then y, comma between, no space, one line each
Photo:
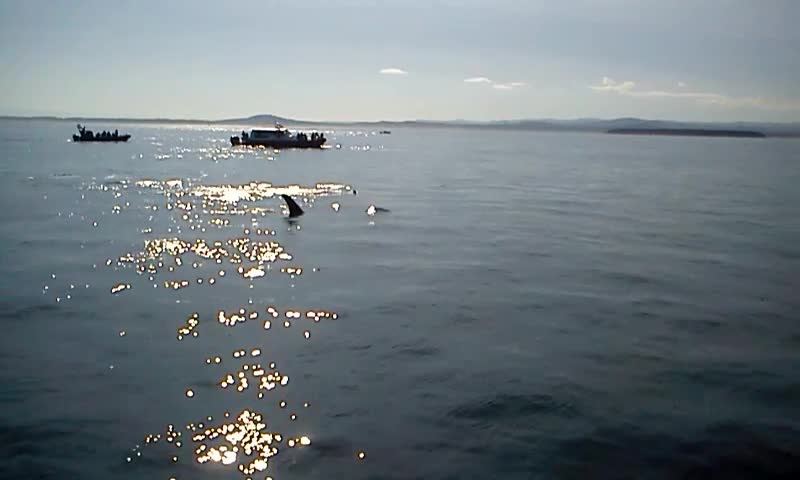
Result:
534,305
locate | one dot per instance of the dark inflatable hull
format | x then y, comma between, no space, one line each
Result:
121,138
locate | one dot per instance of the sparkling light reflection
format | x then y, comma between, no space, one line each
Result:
215,236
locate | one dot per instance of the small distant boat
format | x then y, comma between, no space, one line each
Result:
89,136
385,132
279,137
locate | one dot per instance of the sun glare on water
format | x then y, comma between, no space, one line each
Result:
205,241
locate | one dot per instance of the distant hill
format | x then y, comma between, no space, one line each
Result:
263,119
688,132
603,125
771,129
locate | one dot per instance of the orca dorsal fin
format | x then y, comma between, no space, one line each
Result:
294,208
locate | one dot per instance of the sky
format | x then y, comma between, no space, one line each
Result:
701,60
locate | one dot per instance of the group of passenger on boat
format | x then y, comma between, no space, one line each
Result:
104,136
279,137
303,137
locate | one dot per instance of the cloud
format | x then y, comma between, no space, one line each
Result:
495,85
392,71
628,88
609,85
477,80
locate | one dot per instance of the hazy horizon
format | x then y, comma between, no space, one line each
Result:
723,61
403,120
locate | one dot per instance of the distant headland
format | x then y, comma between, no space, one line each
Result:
688,132
626,125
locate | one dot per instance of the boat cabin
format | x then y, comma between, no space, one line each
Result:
268,134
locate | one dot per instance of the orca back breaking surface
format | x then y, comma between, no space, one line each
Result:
294,209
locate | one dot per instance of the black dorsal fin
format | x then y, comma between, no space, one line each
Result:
294,208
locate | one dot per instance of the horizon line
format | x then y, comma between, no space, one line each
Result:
361,122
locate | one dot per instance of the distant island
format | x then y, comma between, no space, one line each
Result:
625,125
688,132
